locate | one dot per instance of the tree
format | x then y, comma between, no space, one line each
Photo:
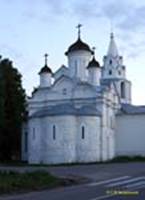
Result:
12,110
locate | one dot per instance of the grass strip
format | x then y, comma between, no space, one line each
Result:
11,182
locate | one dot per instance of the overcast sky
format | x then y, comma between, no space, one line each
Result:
30,28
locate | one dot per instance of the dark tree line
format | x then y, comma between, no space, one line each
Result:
12,110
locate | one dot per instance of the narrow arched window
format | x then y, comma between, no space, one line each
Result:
110,62
110,72
83,132
122,90
76,67
64,91
26,141
54,132
34,134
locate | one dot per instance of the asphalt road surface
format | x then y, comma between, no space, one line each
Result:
106,181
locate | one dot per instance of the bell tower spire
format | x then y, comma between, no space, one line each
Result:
112,50
112,60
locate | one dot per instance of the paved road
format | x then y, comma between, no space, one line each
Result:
107,181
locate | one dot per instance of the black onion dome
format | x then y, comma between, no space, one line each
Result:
93,63
79,45
45,69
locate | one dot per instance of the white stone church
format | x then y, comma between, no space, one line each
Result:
83,112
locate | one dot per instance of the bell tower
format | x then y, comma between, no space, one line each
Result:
115,71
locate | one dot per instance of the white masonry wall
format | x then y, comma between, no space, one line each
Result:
94,75
68,145
77,62
62,148
53,151
88,148
107,136
24,142
130,135
34,141
45,79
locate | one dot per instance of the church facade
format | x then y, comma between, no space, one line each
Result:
83,112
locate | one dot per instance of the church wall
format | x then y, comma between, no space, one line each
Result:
61,148
54,148
94,76
130,135
61,91
107,126
107,134
68,145
128,92
24,142
88,140
59,87
104,131
45,80
77,62
34,141
110,133
83,92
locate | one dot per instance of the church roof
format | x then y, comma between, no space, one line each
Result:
77,46
93,63
67,109
132,109
45,69
63,70
109,80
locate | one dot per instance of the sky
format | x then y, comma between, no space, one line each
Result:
31,28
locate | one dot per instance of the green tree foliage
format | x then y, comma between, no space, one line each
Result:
12,110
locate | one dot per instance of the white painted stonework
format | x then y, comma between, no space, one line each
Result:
130,135
84,114
45,80
77,62
94,76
